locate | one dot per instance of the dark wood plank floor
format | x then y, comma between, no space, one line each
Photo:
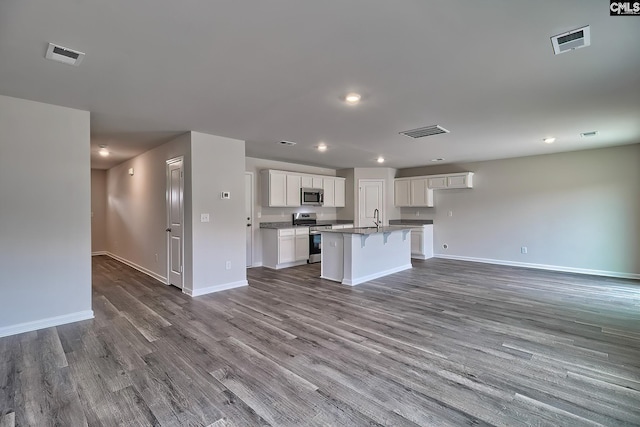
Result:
446,343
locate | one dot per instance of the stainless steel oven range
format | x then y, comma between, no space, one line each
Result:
315,238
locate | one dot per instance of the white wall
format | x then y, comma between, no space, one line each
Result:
573,211
217,165
266,214
98,210
136,208
45,248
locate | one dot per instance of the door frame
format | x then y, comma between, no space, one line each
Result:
384,201
168,215
253,204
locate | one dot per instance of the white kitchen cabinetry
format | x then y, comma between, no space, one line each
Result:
310,181
402,192
334,192
280,189
285,247
451,180
412,192
422,242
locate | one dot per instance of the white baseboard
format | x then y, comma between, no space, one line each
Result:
363,279
257,264
45,323
98,253
138,267
544,267
217,288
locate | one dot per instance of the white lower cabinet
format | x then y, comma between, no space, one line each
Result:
422,242
285,247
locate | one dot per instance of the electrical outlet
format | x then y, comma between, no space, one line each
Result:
156,258
450,213
259,214
523,250
228,265
417,213
204,217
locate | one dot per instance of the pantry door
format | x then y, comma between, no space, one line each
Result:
371,197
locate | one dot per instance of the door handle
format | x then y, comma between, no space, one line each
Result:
248,225
168,230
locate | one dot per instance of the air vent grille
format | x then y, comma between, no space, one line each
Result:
64,55
588,134
287,143
424,131
574,39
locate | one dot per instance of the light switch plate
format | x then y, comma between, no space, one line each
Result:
225,195
204,217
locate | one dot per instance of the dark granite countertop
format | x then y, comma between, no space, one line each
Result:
287,224
410,221
372,230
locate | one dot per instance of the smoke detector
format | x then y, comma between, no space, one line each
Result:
574,39
64,55
424,131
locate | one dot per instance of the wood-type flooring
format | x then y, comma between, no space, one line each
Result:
447,343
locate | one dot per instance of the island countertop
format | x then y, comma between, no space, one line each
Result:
372,230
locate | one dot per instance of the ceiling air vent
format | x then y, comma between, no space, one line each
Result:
425,131
589,134
287,143
574,39
64,55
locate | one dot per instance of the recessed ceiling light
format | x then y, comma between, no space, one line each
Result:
588,134
322,147
103,151
380,159
549,140
439,159
352,98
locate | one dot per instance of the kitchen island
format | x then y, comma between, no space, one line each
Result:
355,255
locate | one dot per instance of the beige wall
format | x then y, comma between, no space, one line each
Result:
98,210
45,188
136,211
217,165
577,210
136,207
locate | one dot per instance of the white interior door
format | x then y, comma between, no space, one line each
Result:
248,203
371,198
175,222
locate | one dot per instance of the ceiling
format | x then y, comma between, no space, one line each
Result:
266,71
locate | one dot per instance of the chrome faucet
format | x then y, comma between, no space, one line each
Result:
376,215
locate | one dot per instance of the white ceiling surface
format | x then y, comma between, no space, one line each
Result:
265,71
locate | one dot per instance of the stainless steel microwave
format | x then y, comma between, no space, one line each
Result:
311,196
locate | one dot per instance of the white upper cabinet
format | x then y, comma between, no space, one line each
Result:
421,195
334,192
293,190
451,180
329,187
282,189
412,192
402,192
